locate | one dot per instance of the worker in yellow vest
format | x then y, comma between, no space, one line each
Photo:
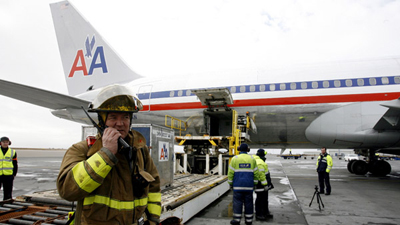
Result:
324,167
8,167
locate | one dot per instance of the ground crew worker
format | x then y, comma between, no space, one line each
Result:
243,175
8,167
324,166
262,210
112,184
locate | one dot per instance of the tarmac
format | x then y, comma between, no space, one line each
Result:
354,199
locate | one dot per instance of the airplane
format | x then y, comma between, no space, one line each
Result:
355,105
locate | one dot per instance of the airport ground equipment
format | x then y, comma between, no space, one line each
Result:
290,156
319,199
184,198
223,128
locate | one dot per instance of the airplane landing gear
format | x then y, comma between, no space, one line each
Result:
359,167
374,166
349,164
380,168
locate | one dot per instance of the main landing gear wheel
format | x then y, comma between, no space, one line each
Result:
359,167
380,168
349,164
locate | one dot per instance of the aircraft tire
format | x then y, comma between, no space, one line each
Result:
359,167
380,168
349,164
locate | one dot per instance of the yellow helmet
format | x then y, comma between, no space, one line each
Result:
116,98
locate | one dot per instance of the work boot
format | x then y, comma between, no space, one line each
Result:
234,222
269,215
327,193
262,218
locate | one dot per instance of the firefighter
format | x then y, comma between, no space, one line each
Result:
324,166
262,210
8,167
243,175
112,184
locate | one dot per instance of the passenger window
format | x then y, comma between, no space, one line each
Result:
272,87
372,81
233,89
336,83
293,86
252,88
180,92
242,89
262,87
282,86
397,80
188,92
304,85
325,84
314,84
171,94
360,82
349,83
385,80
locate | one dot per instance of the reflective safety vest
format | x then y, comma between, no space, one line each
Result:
263,168
324,163
243,173
6,162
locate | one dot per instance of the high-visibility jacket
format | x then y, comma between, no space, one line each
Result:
6,162
263,168
324,163
243,173
103,182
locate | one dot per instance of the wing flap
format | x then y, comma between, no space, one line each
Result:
40,97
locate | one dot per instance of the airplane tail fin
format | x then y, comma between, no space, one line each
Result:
88,61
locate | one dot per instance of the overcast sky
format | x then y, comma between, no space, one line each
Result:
164,38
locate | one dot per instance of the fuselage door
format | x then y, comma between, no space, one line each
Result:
216,97
144,94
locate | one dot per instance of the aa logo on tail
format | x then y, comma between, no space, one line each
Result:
97,59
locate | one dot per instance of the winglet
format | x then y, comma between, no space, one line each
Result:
88,61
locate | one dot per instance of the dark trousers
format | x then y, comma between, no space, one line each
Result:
7,183
323,178
262,203
240,198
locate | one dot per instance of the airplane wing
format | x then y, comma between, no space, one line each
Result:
390,120
40,97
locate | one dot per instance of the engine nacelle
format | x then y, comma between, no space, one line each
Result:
351,126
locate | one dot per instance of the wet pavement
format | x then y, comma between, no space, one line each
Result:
354,199
37,171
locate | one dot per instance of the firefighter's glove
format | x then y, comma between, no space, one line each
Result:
270,186
231,187
266,188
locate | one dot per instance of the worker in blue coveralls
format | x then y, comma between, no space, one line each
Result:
243,175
